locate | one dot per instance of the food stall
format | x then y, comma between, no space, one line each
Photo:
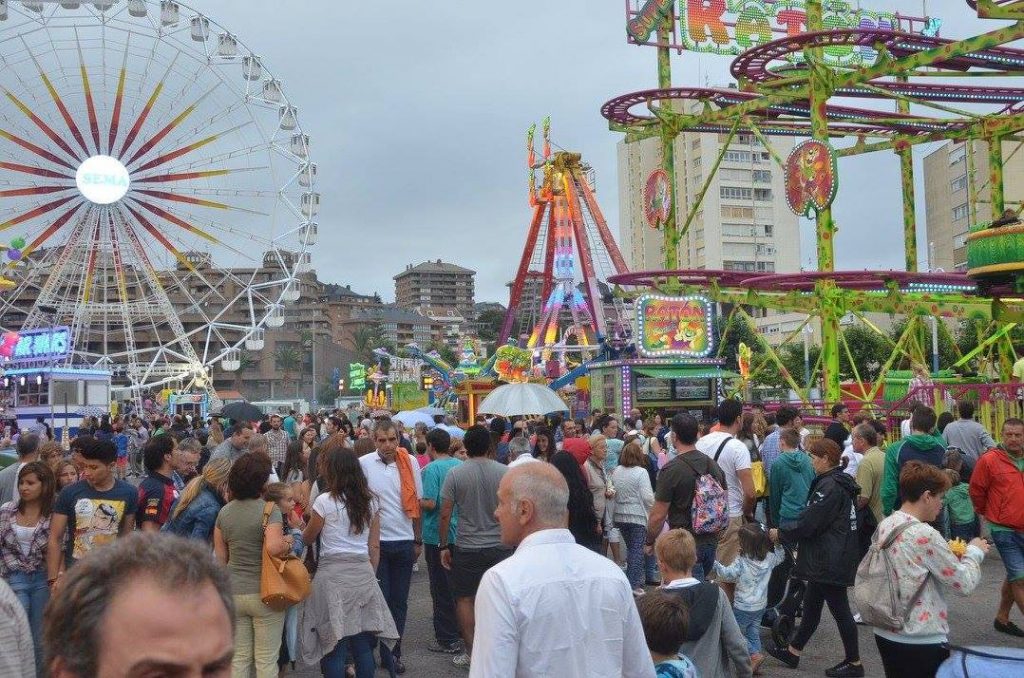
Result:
674,368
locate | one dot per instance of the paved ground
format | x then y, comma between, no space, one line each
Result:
971,619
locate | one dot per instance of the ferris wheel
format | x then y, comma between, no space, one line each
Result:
160,181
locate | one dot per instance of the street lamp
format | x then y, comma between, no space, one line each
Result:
807,332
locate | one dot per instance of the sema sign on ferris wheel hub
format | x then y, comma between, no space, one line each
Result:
730,27
102,180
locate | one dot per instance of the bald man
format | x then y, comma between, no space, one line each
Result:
553,608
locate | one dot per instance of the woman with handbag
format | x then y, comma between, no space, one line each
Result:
347,613
239,539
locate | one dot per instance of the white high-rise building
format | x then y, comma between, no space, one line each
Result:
743,223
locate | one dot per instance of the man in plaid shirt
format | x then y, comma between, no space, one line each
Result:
277,442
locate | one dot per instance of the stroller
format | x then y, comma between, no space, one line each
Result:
785,599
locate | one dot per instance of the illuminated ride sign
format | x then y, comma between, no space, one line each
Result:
43,344
675,326
730,27
102,180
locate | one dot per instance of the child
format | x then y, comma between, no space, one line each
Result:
963,521
282,495
713,641
665,621
421,455
751,572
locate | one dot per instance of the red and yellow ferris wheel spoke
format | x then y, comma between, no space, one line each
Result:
155,232
37,121
122,286
115,116
34,190
90,106
167,129
37,212
51,230
90,268
174,197
37,171
181,176
177,221
168,157
41,152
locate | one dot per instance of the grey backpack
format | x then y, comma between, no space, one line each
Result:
876,589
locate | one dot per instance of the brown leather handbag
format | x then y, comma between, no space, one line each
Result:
284,580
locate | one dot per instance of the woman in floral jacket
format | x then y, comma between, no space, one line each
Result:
924,561
24,533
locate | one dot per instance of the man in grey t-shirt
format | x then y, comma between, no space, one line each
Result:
473,488
971,437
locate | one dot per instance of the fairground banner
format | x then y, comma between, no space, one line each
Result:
675,326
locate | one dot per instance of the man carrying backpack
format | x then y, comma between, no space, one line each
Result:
691,494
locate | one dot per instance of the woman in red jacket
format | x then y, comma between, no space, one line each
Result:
997,492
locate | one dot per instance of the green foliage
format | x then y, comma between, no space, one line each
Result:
920,346
287,359
447,354
731,332
489,325
326,393
869,349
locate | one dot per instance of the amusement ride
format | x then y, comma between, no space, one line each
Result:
800,68
159,184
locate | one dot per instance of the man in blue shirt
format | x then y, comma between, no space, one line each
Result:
785,417
446,627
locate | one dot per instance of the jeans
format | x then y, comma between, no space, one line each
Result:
965,531
651,568
33,593
815,597
257,637
446,627
750,627
394,573
333,664
1011,549
705,561
634,536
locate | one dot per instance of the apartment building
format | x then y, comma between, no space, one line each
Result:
436,285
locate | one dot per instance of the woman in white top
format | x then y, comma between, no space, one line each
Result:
923,563
346,609
24,532
634,498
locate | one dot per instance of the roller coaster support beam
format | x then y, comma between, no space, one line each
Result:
995,177
524,266
907,177
1001,126
819,84
668,151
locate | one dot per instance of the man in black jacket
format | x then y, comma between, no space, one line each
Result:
837,431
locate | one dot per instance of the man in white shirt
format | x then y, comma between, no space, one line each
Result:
519,452
401,540
553,608
733,458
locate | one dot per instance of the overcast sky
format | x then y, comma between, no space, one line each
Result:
418,113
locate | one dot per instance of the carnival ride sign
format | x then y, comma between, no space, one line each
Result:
812,177
657,198
729,27
52,343
675,326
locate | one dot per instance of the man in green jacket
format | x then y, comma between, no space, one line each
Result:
920,445
790,480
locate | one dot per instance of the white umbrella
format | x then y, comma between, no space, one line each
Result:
432,411
513,400
453,431
410,418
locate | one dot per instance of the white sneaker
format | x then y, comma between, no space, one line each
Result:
857,619
416,566
461,660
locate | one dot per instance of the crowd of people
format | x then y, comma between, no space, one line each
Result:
603,546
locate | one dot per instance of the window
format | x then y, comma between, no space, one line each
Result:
766,266
764,250
735,174
733,212
959,184
960,241
769,231
738,266
739,230
737,156
957,155
763,194
762,176
735,193
960,212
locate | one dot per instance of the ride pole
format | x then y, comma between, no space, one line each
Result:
668,152
820,90
907,178
995,176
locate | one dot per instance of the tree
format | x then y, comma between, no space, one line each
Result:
946,345
288,359
732,331
489,325
326,393
869,350
447,354
248,361
367,338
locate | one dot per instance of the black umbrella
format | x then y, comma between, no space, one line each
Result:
242,411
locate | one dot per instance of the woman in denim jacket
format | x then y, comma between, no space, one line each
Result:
24,533
194,513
